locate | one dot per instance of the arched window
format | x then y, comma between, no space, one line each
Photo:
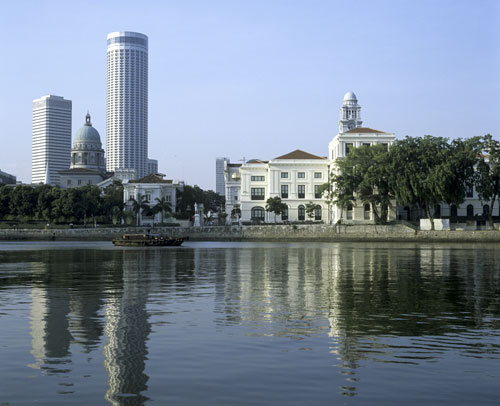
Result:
486,210
453,211
470,210
302,213
349,212
317,212
284,214
367,212
257,214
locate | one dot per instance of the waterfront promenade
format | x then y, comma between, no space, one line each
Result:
307,232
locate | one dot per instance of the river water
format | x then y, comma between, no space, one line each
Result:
249,324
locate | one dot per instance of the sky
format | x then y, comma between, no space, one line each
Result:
256,78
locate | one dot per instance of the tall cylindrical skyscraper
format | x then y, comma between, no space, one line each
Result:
127,102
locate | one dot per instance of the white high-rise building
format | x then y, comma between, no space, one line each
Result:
127,102
51,139
220,166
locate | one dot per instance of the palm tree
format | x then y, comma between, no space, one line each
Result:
139,205
163,206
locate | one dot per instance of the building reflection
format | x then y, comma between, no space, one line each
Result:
354,294
128,327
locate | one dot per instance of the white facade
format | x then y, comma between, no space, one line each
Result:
127,102
295,178
51,139
232,183
220,165
152,187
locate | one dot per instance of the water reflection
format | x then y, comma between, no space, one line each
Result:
404,305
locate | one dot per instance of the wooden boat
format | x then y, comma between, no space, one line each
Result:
148,240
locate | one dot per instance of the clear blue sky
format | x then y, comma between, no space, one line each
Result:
256,79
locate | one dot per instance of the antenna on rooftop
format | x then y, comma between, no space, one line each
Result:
242,160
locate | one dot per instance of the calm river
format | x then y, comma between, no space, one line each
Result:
249,324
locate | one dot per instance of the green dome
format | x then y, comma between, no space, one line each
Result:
87,133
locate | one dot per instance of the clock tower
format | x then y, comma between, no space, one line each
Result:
350,113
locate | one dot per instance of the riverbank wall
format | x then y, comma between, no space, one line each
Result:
306,232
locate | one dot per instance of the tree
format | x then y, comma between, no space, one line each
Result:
327,191
112,201
487,177
310,209
429,170
364,175
162,206
139,206
276,206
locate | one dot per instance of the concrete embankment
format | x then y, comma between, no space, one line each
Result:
398,232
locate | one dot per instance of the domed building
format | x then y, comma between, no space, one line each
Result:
87,149
88,164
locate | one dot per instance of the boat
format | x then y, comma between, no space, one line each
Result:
148,240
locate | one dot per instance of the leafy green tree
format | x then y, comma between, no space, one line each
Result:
487,177
47,196
364,175
23,201
327,191
162,206
275,205
430,170
5,196
310,208
112,201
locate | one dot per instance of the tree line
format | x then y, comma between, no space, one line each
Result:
417,171
51,204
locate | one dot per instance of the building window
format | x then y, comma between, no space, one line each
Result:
366,144
301,191
318,175
257,178
453,211
317,192
367,212
148,197
470,210
284,214
349,212
302,213
284,191
317,213
301,175
235,197
469,191
79,182
284,175
437,212
257,193
69,182
386,146
348,147
257,214
486,210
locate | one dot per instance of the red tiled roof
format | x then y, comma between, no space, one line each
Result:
150,179
299,154
364,130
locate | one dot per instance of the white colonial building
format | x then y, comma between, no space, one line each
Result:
297,176
153,187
